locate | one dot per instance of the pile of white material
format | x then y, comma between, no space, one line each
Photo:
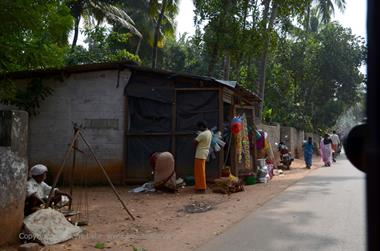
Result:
50,227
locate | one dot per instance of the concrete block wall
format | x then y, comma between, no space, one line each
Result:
90,96
13,173
274,132
300,141
289,136
294,140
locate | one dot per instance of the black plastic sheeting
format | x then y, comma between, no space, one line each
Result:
146,86
150,102
139,149
147,115
193,106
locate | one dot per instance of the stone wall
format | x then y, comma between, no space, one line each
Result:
289,136
292,137
274,132
13,173
92,99
299,144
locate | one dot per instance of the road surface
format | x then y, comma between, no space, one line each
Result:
324,211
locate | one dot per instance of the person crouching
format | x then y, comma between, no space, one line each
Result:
37,191
162,164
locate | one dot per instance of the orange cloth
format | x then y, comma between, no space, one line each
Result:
334,147
200,174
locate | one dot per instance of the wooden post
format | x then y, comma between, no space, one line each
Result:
106,175
174,123
125,150
68,151
73,165
221,128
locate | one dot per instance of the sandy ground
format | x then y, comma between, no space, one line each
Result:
162,224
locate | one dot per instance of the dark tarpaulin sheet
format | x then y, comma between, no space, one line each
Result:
139,149
193,106
146,115
150,87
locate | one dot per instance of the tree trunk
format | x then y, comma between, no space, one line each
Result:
244,32
76,32
226,70
307,18
264,59
138,46
213,58
156,34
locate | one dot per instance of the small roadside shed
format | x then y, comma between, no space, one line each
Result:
129,111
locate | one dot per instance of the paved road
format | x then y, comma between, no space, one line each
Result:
322,212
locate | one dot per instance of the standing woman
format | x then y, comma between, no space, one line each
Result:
326,150
202,144
308,149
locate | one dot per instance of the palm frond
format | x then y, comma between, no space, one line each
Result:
124,23
341,4
118,15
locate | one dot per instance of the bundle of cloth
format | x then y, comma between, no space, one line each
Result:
227,185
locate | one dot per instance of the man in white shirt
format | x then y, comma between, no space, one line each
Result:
202,143
335,143
37,191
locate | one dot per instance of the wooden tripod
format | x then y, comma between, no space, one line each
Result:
72,146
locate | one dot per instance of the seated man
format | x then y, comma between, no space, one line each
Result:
37,191
162,164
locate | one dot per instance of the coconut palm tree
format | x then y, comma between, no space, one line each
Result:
325,10
154,18
100,10
167,10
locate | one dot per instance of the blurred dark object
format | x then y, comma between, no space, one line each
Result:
373,114
354,146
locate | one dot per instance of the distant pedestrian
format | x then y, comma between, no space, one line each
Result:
308,149
202,143
326,150
335,144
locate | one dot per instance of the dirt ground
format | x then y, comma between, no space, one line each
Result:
161,222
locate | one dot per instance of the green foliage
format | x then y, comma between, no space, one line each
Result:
100,245
312,75
184,55
26,97
33,34
318,76
102,47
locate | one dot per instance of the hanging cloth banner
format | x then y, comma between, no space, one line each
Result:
245,144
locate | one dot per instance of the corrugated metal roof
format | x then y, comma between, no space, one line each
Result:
229,83
124,65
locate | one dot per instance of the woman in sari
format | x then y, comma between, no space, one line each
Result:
164,173
326,150
308,152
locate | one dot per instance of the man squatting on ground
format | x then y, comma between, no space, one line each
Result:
37,191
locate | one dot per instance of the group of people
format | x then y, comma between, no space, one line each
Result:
38,193
163,163
328,146
163,167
